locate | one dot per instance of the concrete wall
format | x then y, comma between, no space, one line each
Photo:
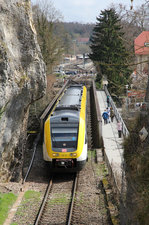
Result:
96,118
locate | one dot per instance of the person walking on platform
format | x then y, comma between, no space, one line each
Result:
108,111
112,114
108,101
119,128
105,116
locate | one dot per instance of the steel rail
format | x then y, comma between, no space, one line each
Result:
72,200
43,202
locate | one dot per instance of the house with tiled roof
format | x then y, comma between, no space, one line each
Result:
84,40
141,45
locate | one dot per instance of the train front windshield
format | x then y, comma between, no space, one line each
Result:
64,138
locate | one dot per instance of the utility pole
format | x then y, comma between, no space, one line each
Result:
84,60
131,7
127,100
74,47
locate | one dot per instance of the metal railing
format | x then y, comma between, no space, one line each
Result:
117,114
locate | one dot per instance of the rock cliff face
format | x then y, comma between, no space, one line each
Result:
22,80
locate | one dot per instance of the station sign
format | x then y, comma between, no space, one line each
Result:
137,94
143,134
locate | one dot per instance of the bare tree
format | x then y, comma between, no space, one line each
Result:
46,18
133,23
134,16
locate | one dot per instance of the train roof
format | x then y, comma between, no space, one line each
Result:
69,105
71,98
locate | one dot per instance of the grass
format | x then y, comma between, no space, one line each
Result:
101,170
6,201
89,154
98,86
30,197
64,199
59,199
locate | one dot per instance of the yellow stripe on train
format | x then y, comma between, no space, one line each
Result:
81,133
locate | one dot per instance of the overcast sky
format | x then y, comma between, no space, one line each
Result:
86,11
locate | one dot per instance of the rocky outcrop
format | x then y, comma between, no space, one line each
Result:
22,79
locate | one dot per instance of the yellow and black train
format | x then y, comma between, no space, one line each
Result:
65,131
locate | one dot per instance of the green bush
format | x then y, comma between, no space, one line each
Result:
98,86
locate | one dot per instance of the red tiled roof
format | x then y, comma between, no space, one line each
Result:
140,42
83,40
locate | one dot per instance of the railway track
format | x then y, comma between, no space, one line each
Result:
59,187
58,200
69,198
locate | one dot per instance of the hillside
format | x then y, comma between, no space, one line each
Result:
78,29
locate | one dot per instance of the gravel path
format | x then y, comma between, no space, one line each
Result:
90,207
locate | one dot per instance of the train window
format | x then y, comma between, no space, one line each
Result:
64,118
64,130
64,137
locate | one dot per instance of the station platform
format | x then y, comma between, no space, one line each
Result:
113,148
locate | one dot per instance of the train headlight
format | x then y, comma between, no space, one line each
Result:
55,154
73,154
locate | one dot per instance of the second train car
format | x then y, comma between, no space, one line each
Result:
65,131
